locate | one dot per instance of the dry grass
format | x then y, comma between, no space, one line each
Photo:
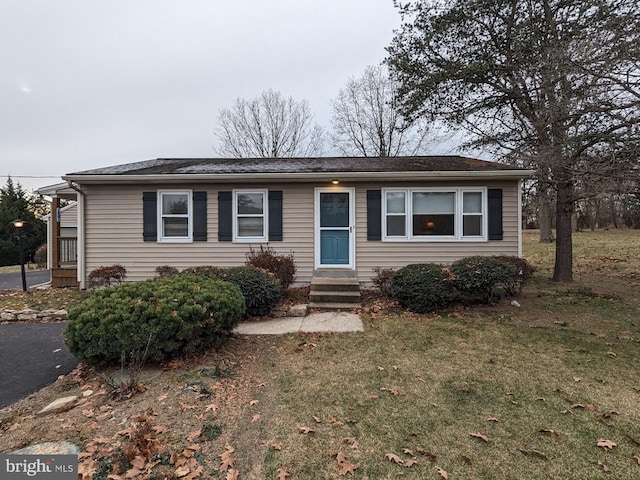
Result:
544,383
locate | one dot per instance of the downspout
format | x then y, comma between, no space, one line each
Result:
520,218
80,233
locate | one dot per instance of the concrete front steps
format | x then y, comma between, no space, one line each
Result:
334,290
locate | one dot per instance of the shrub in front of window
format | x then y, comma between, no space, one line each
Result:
479,278
421,287
283,267
171,317
383,279
107,276
260,289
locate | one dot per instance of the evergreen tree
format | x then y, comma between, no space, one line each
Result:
16,203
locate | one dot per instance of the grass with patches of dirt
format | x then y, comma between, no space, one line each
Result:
543,384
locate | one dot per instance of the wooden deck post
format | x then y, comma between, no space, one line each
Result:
55,233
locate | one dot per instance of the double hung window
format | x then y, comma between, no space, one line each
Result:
250,215
175,215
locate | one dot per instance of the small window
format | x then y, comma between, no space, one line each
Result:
472,215
250,217
396,214
175,216
434,213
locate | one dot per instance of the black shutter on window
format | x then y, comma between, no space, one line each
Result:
150,216
495,213
225,217
374,215
275,215
199,216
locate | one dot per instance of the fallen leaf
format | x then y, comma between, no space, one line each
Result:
442,473
410,463
139,462
135,472
430,455
492,419
551,433
277,446
306,430
253,402
637,459
194,434
159,428
341,457
233,474
317,419
612,354
255,418
352,442
480,436
408,451
540,399
394,458
282,473
211,408
162,397
347,467
604,467
606,445
57,350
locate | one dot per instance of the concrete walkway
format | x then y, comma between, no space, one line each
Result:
316,322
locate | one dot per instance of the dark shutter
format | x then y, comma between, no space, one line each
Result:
150,216
225,217
374,215
495,213
275,215
199,216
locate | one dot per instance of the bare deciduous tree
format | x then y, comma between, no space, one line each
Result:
558,79
269,126
366,119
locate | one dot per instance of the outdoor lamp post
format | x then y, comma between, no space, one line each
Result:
19,226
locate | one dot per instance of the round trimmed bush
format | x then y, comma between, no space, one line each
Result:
167,317
479,277
421,287
261,290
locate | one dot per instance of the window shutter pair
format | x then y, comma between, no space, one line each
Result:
150,216
374,214
225,216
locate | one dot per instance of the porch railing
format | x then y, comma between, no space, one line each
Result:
68,251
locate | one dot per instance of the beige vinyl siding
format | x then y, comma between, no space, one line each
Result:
395,254
113,229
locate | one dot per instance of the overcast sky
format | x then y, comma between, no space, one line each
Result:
88,83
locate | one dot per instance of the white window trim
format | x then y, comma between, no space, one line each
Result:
458,216
189,237
265,215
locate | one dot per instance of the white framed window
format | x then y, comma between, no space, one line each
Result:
175,216
435,214
250,215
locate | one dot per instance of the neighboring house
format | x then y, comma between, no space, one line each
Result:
342,215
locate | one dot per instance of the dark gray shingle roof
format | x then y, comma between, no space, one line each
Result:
212,166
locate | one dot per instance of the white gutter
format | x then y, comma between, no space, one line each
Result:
296,177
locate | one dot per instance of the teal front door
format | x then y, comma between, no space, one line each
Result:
334,228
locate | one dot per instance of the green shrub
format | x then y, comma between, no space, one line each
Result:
523,273
421,287
383,279
282,267
181,315
106,276
260,289
478,278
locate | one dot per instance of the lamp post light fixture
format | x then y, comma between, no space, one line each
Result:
19,226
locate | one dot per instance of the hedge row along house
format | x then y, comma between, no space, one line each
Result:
341,217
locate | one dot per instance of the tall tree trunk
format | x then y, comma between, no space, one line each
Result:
544,217
563,268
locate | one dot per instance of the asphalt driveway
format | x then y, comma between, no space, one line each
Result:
14,279
32,356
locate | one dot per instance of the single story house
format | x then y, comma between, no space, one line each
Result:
342,215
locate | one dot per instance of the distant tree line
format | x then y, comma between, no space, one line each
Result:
17,204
